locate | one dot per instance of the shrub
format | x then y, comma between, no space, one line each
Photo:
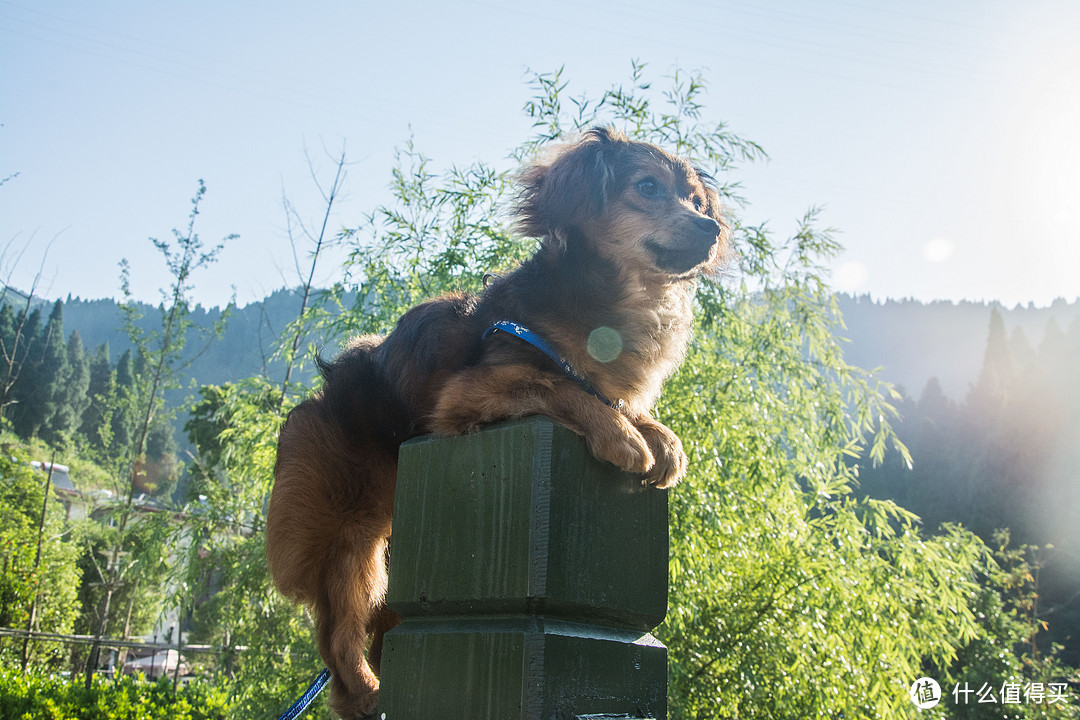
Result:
38,697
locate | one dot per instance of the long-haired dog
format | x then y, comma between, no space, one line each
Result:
625,230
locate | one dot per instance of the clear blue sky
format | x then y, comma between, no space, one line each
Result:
941,137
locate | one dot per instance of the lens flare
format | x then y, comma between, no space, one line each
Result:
605,344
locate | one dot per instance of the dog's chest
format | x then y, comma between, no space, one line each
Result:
631,360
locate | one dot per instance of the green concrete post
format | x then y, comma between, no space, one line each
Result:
528,575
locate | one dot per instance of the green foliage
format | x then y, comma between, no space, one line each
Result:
1005,457
791,596
135,575
235,429
51,580
442,233
83,407
160,353
46,379
145,458
42,376
96,422
36,697
1004,649
23,346
122,407
70,398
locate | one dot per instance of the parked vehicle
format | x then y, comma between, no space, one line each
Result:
155,665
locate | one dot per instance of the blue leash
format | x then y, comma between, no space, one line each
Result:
308,697
520,331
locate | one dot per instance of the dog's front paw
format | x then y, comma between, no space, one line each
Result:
671,462
624,447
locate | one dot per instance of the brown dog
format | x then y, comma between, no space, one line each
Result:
625,228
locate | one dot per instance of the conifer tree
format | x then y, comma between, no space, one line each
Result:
96,421
1054,355
10,351
70,397
53,368
989,391
123,409
26,376
1072,380
1023,354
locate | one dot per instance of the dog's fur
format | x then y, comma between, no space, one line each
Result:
625,230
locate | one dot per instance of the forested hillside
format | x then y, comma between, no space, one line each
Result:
936,353
1004,455
244,349
909,340
914,341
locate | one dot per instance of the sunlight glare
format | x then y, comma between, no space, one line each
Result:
851,276
1042,165
938,250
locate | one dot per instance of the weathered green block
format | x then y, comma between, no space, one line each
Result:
521,518
526,667
528,574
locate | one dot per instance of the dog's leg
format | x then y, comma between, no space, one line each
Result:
481,395
355,584
383,620
328,524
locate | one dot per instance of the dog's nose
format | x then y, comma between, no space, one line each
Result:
707,224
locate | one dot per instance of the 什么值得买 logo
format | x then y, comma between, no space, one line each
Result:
925,693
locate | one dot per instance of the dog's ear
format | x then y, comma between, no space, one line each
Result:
569,186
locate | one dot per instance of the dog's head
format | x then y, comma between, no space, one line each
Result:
635,204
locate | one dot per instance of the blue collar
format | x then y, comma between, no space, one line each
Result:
520,331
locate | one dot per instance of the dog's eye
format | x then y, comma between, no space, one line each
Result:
698,203
648,187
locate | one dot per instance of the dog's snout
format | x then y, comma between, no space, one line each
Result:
707,224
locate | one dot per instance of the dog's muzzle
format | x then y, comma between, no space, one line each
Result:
691,248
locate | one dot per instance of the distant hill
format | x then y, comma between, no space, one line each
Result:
912,341
244,350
